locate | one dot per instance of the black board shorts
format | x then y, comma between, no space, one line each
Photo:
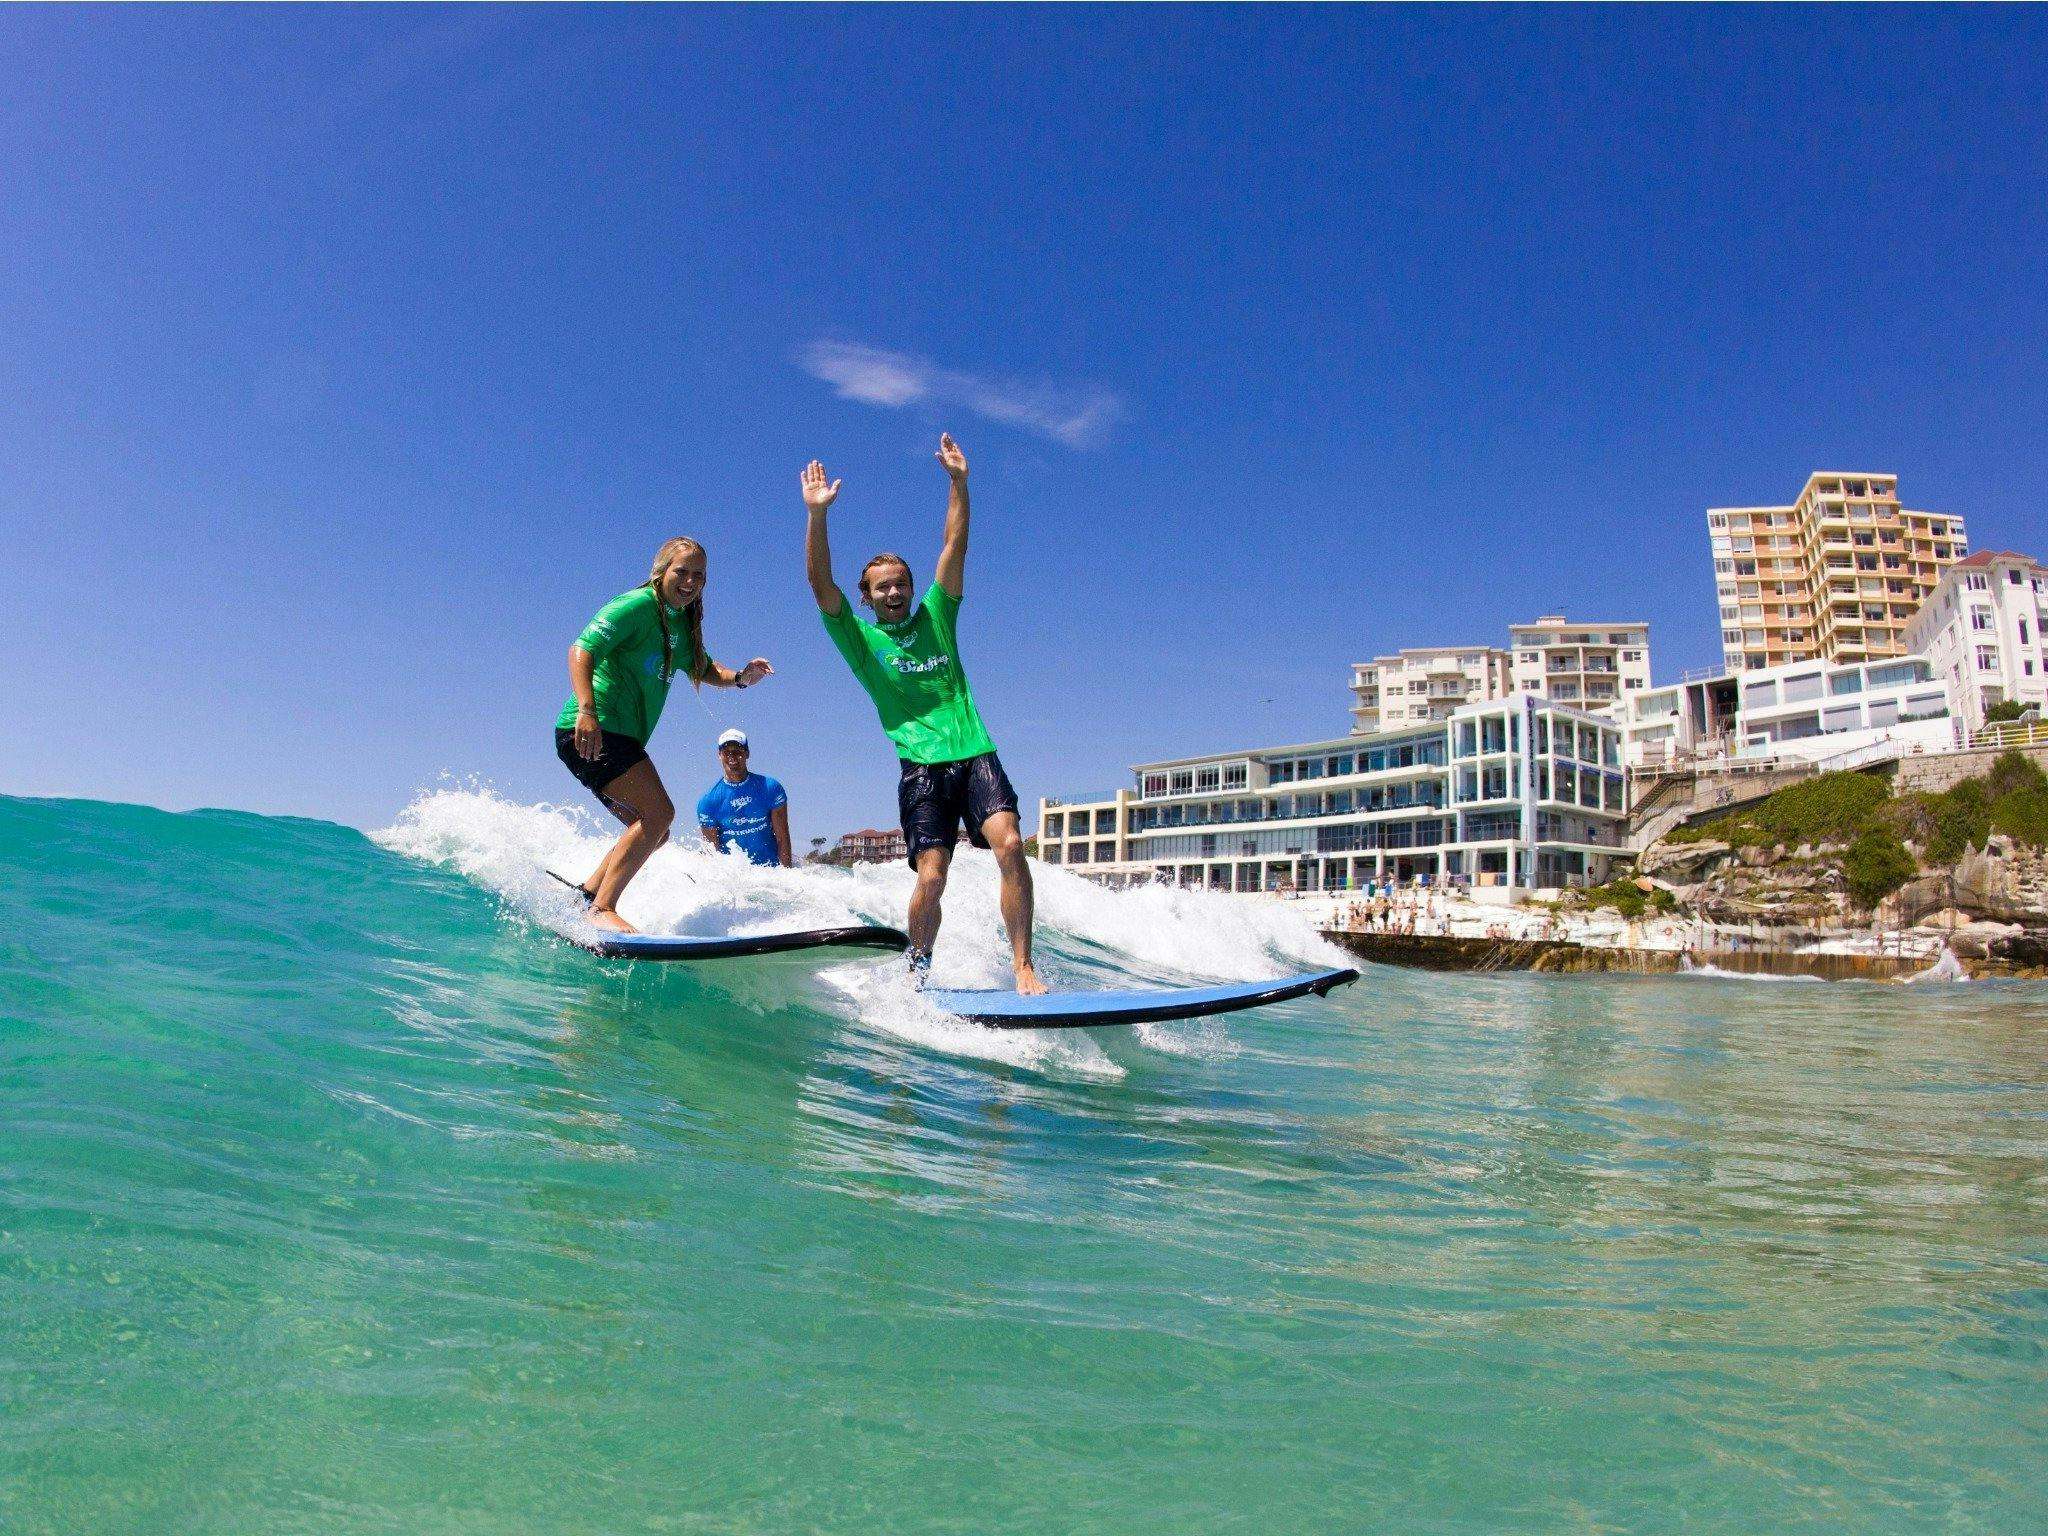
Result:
618,754
934,798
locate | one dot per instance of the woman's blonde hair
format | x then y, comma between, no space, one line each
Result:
693,616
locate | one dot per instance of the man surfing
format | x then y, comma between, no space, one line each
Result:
909,663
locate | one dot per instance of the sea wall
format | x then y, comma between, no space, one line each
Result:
1431,952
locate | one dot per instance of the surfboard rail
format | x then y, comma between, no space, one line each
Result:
1085,1010
662,946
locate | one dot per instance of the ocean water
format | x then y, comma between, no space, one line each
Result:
338,1194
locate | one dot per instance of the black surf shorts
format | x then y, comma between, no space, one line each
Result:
934,798
617,755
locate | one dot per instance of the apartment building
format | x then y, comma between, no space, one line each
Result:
1591,666
1414,687
870,845
1505,794
1981,631
1834,577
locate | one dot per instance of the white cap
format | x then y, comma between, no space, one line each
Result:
733,737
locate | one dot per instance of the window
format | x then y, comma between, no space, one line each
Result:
1105,822
1235,777
1987,658
1980,618
1208,778
1155,783
1184,782
1762,695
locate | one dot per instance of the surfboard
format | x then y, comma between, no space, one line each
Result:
663,946
1083,1010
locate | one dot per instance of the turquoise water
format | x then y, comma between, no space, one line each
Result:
337,1195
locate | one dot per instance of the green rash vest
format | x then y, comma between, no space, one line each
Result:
625,637
912,671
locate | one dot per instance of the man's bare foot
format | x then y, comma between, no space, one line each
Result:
605,917
1028,984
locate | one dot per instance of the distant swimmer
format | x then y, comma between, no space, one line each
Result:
909,663
619,671
745,810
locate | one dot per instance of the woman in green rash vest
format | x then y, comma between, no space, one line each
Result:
619,672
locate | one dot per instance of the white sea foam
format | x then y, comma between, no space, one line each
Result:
1086,935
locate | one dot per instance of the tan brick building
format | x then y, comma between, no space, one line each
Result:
1836,576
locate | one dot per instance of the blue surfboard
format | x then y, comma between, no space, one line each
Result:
1084,1010
659,946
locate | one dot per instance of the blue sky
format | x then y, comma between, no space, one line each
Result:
349,359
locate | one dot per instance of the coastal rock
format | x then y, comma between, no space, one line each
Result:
1974,941
2028,947
1682,859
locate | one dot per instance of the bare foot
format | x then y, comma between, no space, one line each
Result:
606,918
1028,984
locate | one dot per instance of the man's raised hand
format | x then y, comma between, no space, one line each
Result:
950,456
818,495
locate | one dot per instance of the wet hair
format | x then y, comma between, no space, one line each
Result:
693,616
884,558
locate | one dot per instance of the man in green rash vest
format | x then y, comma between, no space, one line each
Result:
909,663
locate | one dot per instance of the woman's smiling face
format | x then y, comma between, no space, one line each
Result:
683,581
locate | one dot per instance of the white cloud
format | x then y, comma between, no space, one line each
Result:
1077,415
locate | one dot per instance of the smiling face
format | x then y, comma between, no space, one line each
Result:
886,586
732,757
683,581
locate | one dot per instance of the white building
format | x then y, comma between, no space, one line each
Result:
1591,666
1815,710
1504,795
1981,630
1414,687
1692,720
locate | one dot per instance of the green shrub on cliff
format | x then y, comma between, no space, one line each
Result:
2023,816
1876,865
2014,774
2005,709
2011,798
1832,806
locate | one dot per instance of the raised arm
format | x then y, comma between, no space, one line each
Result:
953,555
818,497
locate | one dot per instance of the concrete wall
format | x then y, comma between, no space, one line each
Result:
1934,773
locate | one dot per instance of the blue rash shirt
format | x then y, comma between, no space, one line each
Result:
739,814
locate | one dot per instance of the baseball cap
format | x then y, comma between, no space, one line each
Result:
733,737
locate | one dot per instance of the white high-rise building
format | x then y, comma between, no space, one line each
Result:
1981,631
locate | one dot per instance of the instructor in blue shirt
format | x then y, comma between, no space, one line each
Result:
743,810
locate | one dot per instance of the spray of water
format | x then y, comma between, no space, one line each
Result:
1086,935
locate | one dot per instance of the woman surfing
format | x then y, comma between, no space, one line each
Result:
619,673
